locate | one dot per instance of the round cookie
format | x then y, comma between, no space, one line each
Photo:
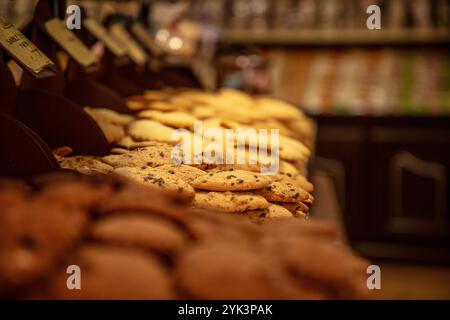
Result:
125,142
229,201
277,212
326,254
290,154
172,119
240,98
236,180
137,104
154,95
293,150
298,209
245,167
270,123
208,272
158,179
162,106
55,188
296,180
302,182
286,167
113,273
309,200
184,172
119,150
141,230
278,109
283,192
203,112
112,132
130,198
110,116
34,234
84,164
142,130
273,212
11,195
154,155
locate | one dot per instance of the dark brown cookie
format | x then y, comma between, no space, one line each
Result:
145,231
273,212
33,235
222,271
131,197
133,242
111,273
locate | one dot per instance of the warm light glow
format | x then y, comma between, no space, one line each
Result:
162,36
175,43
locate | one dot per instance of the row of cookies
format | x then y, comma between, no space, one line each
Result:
230,190
127,247
226,109
228,104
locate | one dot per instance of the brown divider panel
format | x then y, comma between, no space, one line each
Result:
60,122
110,77
23,153
87,92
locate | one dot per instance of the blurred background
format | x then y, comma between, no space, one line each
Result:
381,100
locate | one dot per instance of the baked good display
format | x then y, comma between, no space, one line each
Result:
152,150
128,248
167,151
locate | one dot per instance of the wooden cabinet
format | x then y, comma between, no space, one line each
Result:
392,175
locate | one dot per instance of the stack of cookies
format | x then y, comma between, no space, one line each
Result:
145,151
227,109
127,247
246,193
249,194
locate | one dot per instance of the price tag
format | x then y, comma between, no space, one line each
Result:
100,32
145,38
24,52
67,40
134,51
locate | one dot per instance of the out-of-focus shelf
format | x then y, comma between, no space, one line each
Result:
337,37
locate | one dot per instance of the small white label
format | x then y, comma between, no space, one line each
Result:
73,20
374,20
374,280
74,280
